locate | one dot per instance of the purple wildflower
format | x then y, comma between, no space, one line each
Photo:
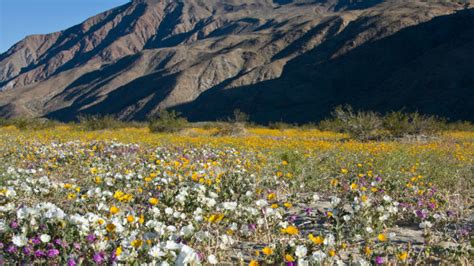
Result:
421,214
99,257
76,246
379,260
71,262
11,249
39,253
53,253
36,240
14,225
91,238
292,218
27,251
59,242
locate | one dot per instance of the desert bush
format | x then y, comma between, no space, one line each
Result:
240,117
280,125
331,124
359,125
230,129
235,126
24,123
167,121
3,122
460,126
397,123
400,124
98,122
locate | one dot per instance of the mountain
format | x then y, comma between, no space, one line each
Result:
288,60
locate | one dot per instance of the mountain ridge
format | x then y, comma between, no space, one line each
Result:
147,55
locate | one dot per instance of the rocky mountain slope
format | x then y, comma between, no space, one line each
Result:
290,60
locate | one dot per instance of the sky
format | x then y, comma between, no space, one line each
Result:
19,18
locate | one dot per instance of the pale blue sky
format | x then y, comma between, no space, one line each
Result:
19,18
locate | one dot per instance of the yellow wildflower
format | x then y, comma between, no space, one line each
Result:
153,201
137,243
110,227
118,251
402,256
71,196
271,196
267,251
318,240
291,230
382,238
114,210
289,258
253,263
354,186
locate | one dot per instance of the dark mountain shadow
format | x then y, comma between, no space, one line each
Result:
426,68
82,85
155,86
300,42
355,5
282,2
166,27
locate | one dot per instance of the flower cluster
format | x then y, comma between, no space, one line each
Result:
109,202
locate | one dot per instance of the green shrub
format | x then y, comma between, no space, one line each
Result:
397,123
280,125
240,117
167,122
359,125
4,122
98,122
230,129
24,123
460,126
426,125
331,124
400,124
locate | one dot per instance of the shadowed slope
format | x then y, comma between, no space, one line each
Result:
425,67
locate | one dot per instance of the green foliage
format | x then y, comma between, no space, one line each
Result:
97,122
24,123
240,117
460,126
230,129
359,125
280,125
331,124
400,124
368,125
167,121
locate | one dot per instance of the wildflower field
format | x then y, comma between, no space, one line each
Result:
284,197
